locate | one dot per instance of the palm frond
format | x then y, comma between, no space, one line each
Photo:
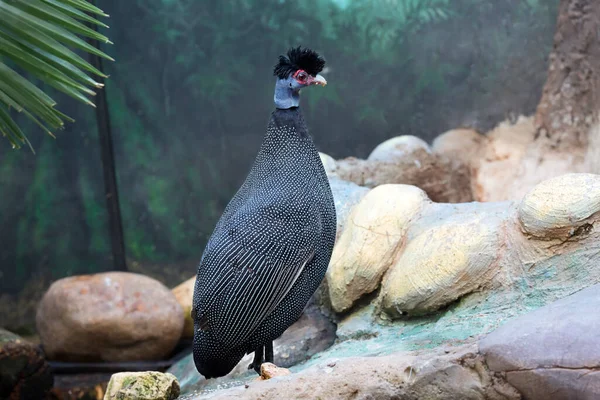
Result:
39,38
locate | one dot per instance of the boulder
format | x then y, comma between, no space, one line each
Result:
24,373
397,148
114,316
370,241
184,294
148,385
552,352
443,262
561,207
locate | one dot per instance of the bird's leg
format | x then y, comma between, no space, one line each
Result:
269,352
258,360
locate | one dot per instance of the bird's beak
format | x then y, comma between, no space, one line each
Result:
319,80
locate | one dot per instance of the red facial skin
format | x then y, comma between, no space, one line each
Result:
303,78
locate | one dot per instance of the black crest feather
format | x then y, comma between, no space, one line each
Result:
299,58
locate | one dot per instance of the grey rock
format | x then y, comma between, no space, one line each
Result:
552,352
345,195
557,384
449,373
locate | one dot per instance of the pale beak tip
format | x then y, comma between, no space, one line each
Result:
320,80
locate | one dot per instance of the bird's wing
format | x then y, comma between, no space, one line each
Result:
244,277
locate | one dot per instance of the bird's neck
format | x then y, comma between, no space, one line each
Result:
285,96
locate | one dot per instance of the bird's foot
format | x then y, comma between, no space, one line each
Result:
258,360
255,366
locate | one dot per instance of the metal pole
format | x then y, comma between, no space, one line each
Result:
108,167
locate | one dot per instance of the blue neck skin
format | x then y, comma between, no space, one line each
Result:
287,93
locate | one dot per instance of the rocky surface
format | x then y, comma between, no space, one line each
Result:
449,373
549,353
313,333
112,316
552,352
184,293
409,160
24,373
458,272
142,386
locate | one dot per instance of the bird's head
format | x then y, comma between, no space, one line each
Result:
298,69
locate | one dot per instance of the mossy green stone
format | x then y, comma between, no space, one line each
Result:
148,385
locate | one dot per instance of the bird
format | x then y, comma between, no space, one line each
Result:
270,249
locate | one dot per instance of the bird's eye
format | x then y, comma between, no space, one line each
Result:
301,76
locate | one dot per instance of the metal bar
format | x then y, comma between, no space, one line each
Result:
108,166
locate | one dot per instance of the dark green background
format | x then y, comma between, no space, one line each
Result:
191,92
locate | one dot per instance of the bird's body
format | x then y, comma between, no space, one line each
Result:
268,253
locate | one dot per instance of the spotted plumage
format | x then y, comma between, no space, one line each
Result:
271,247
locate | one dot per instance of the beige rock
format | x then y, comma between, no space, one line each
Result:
459,144
512,162
397,148
561,207
148,385
372,237
442,263
184,293
113,316
270,370
500,160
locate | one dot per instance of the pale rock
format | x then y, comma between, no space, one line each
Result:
113,316
462,145
148,385
397,148
371,239
442,263
270,370
561,207
500,161
184,294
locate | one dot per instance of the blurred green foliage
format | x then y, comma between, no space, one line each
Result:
190,95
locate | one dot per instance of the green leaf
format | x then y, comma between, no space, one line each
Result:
38,37
73,12
55,17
